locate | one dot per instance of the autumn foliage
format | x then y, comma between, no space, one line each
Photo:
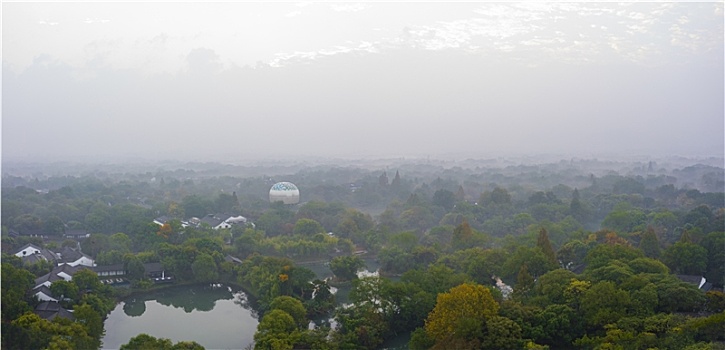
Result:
463,305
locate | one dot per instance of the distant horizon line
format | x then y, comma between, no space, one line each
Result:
240,158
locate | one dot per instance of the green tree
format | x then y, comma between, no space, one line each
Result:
624,218
501,333
602,254
395,184
204,268
372,294
552,284
715,269
86,280
677,296
524,283
616,271
419,340
90,319
16,282
275,331
345,268
395,260
353,221
437,278
578,209
537,263
686,258
95,244
323,300
647,265
644,300
388,221
544,244
27,223
144,341
445,199
307,227
64,289
404,240
572,253
418,217
560,325
57,334
604,303
134,267
196,206
187,345
649,244
462,235
120,242
498,196
226,203
54,226
99,302
110,257
293,307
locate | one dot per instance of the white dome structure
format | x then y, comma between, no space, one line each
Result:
286,192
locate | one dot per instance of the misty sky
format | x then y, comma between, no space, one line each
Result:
199,80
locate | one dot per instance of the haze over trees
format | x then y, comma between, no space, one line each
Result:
591,251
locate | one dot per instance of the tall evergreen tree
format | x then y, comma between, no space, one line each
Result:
649,244
524,282
460,194
577,209
396,180
545,245
462,234
235,199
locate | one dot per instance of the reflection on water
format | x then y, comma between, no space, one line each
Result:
217,317
187,298
134,308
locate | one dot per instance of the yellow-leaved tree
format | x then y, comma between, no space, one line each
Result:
462,310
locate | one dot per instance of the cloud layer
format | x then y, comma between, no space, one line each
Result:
372,79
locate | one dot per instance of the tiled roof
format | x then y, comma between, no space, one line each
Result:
54,274
33,259
49,310
212,220
29,245
152,267
70,255
692,279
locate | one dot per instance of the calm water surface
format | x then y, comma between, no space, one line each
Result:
217,317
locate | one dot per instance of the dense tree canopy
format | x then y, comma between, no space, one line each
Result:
562,255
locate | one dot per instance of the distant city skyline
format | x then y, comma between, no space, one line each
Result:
374,79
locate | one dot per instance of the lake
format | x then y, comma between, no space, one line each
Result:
217,317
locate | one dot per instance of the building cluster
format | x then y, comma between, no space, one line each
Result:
215,221
66,264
